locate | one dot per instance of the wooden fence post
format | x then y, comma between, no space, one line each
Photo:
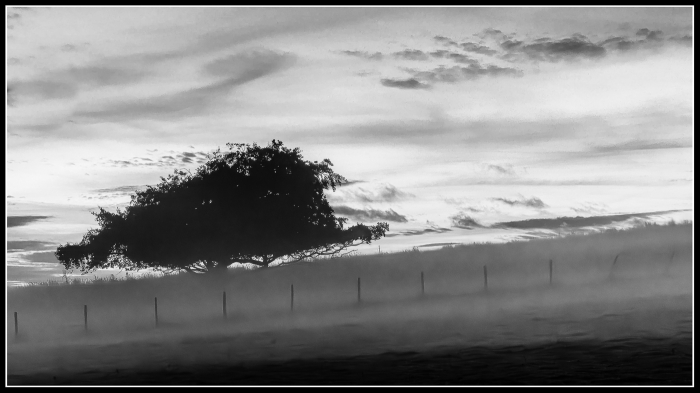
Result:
292,301
85,314
422,284
156,310
358,290
224,305
486,279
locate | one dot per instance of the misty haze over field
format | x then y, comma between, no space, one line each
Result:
483,146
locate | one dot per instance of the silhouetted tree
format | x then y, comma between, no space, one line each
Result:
252,204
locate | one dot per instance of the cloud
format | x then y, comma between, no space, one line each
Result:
533,202
433,229
502,170
363,54
67,83
438,244
577,222
445,40
17,221
654,35
476,48
127,189
457,57
369,214
41,257
237,69
578,46
491,33
351,182
410,83
461,220
170,160
572,48
590,208
115,192
685,40
457,74
381,193
39,89
643,145
254,63
29,245
411,54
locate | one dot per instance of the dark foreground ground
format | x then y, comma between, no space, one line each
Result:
633,361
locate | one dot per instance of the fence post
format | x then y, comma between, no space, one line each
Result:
550,272
156,310
224,305
292,301
612,267
422,284
358,290
16,328
486,279
85,314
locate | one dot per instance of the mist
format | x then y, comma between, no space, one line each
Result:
634,284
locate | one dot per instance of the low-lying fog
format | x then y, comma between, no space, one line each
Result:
646,292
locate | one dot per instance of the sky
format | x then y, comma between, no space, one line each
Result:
453,124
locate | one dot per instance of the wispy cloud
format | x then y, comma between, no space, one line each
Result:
380,193
411,54
67,83
41,257
572,48
363,54
172,159
577,222
444,40
410,83
369,214
476,48
457,74
416,232
639,144
456,57
590,208
29,245
463,221
16,221
438,244
236,70
533,202
501,169
578,46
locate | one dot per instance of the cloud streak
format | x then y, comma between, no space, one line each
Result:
369,214
363,54
418,232
463,221
576,222
533,202
18,221
410,83
236,70
382,193
29,245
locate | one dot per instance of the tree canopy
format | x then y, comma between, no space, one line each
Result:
252,204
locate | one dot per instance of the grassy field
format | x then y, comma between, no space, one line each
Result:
612,295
